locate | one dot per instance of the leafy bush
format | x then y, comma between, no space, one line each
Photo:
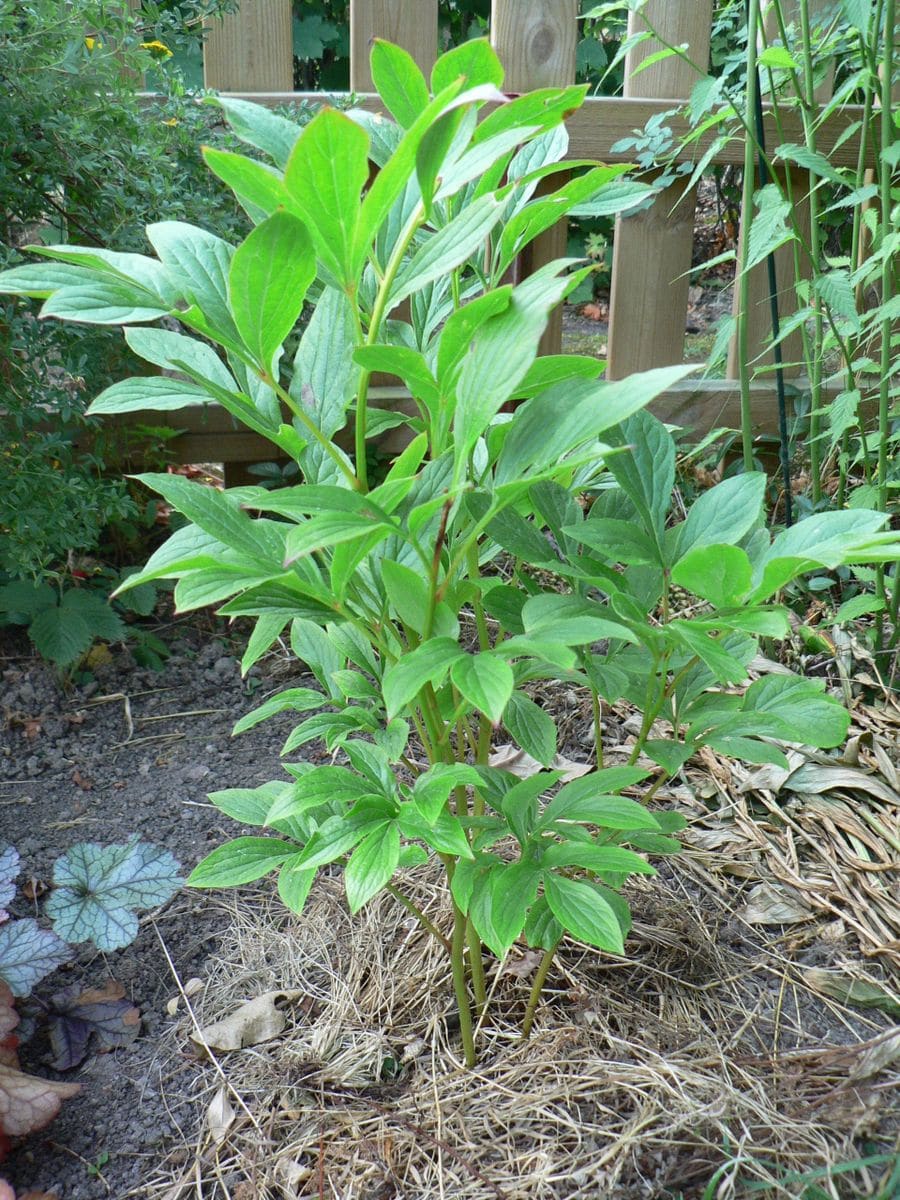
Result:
422,604
80,156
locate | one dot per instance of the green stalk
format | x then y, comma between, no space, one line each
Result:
536,988
887,292
746,220
807,108
378,313
458,962
424,921
476,968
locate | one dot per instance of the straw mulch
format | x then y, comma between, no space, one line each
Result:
714,1062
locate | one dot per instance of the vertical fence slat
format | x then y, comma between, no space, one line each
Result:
536,44
411,24
251,50
759,317
652,250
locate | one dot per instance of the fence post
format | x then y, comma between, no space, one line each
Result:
759,318
251,50
652,249
537,44
412,24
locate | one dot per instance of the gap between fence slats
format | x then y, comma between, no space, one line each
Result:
652,249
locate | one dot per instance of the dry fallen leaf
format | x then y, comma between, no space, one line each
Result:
220,1115
258,1020
28,1103
852,990
769,905
877,1054
523,766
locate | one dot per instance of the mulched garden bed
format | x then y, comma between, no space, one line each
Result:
724,1043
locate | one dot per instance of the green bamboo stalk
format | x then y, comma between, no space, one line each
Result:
887,290
744,372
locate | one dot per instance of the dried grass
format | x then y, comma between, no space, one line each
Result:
703,1053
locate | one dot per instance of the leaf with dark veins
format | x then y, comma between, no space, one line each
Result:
77,1016
99,889
28,953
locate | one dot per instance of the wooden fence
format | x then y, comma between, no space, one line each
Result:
250,54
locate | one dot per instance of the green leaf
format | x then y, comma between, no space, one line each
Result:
398,81
260,127
97,301
596,858
221,516
323,785
778,58
324,375
433,787
241,860
583,800
725,513
445,250
201,261
646,473
258,187
23,596
513,889
372,865
148,393
619,541
445,835
812,717
428,663
531,728
520,804
167,349
42,279
720,574
570,620
695,637
291,700
555,423
408,593
294,883
332,529
584,913
769,227
475,61
270,274
810,160
98,891
485,681
325,175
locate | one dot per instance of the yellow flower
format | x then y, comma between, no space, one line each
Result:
93,43
171,121
157,49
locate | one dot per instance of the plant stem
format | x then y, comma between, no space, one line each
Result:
476,968
536,988
815,247
458,961
887,291
378,313
746,220
424,921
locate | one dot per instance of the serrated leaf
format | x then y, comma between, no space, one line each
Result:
99,889
28,953
62,638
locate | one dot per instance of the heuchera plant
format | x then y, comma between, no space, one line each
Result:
423,636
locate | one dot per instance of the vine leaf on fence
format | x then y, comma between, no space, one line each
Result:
76,1016
98,890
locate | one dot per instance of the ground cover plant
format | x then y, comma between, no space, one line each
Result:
421,600
96,894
